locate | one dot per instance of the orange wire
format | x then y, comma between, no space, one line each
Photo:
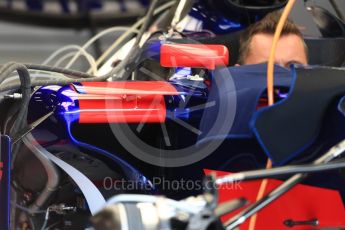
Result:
270,92
270,66
261,194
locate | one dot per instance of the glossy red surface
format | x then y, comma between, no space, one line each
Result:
194,55
123,102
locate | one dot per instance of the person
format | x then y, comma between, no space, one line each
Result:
256,43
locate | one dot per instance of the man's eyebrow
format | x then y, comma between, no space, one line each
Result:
263,62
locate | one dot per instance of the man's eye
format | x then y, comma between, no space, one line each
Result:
293,63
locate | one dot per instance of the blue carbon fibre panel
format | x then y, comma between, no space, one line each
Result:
250,83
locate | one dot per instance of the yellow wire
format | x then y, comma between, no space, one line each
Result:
270,92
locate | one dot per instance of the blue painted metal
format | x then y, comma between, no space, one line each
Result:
65,102
131,173
5,158
219,18
215,21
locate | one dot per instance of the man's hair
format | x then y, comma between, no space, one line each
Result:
267,25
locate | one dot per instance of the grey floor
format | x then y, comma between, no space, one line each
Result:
34,44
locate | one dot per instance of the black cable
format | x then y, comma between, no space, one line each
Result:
68,72
76,76
337,10
254,208
148,19
281,171
4,71
25,86
7,69
130,62
72,73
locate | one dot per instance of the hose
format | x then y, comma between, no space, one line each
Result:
337,10
81,51
88,57
125,35
73,76
25,86
135,50
93,39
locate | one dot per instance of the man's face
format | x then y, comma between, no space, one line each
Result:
290,50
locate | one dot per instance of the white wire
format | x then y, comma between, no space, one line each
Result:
127,33
64,57
63,49
88,57
27,210
94,38
82,51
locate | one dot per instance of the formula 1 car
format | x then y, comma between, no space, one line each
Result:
149,139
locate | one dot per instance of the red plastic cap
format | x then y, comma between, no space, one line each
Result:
123,102
194,55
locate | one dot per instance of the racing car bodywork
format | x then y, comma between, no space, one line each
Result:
82,140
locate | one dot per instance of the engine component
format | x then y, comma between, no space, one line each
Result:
154,213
